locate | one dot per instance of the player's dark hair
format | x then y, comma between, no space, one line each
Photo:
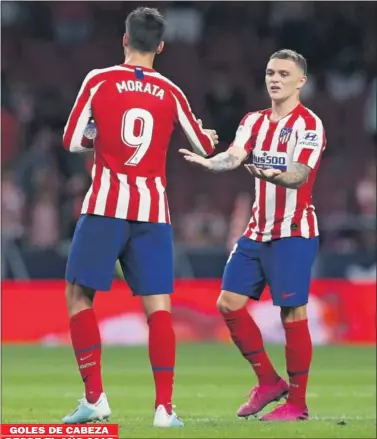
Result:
145,28
292,56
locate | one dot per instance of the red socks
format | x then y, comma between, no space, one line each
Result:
298,353
248,338
86,341
162,356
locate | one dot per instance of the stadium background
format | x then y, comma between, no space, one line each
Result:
216,52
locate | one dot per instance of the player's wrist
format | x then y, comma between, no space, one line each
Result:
273,178
209,165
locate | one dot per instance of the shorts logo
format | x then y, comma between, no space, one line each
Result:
285,135
286,295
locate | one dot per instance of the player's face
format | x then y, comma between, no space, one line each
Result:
284,78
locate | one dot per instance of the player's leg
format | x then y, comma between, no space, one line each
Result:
291,261
162,353
243,279
95,247
86,339
148,268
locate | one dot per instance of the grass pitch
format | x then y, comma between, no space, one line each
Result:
41,385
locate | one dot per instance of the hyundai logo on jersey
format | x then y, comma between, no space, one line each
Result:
270,161
312,137
309,139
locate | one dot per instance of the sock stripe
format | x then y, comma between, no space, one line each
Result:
89,348
247,354
300,372
162,369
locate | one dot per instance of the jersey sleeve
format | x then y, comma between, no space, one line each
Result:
311,142
73,137
199,140
244,133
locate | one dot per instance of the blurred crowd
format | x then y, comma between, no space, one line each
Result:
216,52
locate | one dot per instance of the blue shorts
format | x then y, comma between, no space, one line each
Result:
284,265
144,250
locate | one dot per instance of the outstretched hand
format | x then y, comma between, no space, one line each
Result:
192,157
263,174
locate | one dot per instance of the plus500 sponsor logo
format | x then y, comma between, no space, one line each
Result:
270,161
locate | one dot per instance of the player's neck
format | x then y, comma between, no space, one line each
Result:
140,59
281,109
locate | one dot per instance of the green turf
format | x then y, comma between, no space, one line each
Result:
41,385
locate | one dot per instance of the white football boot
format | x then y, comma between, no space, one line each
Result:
87,412
163,419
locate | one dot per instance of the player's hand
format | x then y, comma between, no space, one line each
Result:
211,133
195,158
253,170
270,174
263,174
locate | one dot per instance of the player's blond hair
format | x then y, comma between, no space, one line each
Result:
291,55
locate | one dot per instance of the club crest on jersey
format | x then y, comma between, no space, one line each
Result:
285,135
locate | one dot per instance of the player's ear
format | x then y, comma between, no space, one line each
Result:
160,48
302,82
125,40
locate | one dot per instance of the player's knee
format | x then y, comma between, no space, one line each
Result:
293,313
228,302
156,302
78,298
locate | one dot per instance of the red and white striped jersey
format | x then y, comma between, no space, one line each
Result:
135,110
298,137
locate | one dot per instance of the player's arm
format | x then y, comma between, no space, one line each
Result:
309,147
225,161
292,179
202,141
73,137
233,157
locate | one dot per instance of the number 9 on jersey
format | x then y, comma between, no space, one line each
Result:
141,141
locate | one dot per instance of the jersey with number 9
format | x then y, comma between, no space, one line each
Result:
134,110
